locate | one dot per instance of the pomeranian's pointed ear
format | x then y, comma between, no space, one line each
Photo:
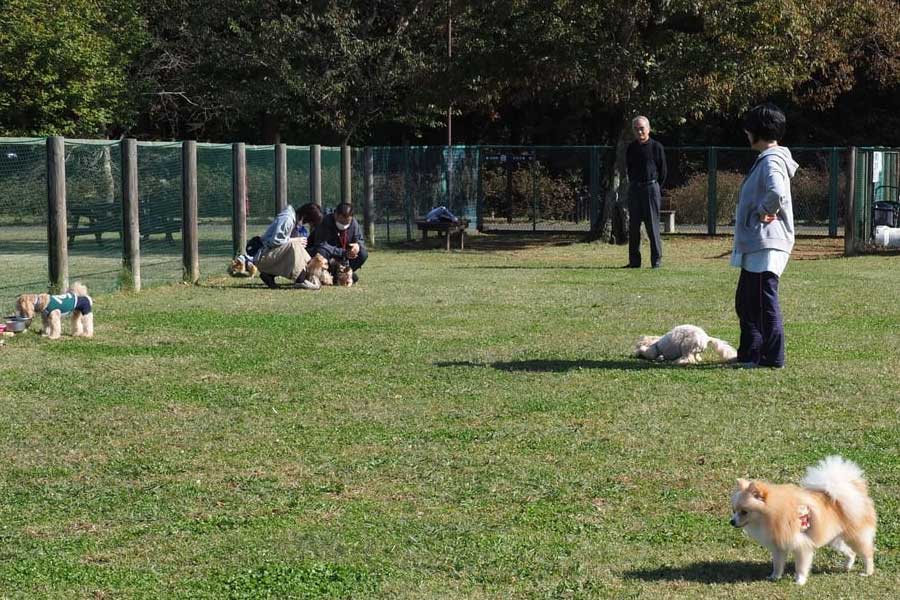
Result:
759,490
742,484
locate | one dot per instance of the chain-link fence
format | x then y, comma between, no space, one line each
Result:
497,188
543,188
160,193
23,217
877,192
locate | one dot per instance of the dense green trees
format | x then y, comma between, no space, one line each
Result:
64,66
359,70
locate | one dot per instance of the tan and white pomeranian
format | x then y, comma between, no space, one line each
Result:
75,301
683,345
242,266
315,274
831,507
317,268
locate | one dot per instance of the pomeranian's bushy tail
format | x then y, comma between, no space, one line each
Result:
843,481
723,348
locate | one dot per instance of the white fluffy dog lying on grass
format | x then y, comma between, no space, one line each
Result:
683,345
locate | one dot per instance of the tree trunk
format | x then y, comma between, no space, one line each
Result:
271,129
612,224
109,184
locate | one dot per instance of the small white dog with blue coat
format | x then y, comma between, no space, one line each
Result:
53,308
683,345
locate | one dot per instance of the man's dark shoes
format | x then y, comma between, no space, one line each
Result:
630,266
269,280
657,265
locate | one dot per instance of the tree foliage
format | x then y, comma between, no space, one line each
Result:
335,67
64,66
347,70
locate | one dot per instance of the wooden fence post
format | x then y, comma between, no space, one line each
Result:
189,233
407,192
850,208
238,198
346,172
369,196
281,189
315,174
833,192
712,197
594,188
131,215
57,249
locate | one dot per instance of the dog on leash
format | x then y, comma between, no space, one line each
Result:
242,266
315,274
341,271
683,346
317,269
830,507
53,308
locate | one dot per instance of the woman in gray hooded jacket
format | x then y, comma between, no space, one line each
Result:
763,239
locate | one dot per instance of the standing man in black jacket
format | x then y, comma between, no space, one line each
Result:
646,162
340,236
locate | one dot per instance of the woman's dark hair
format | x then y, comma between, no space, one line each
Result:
765,122
310,213
344,209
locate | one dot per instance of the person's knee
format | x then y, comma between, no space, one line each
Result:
360,259
323,249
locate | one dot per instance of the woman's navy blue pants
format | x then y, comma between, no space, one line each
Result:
762,329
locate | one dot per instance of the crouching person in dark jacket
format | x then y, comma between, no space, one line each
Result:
339,236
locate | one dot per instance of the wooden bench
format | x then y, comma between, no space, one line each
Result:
97,218
158,223
667,218
445,228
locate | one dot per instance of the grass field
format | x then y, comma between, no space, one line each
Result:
457,426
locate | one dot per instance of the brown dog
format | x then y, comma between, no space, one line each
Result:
75,301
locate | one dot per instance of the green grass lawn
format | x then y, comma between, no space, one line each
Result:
462,425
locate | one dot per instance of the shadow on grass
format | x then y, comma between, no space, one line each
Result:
252,285
561,366
705,572
549,366
500,242
537,267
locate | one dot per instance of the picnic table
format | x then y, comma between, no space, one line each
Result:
97,218
445,229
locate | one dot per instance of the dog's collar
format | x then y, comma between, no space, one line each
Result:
803,512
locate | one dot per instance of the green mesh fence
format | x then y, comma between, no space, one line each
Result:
536,188
23,219
687,186
331,177
298,175
530,188
94,213
877,180
159,190
260,187
214,207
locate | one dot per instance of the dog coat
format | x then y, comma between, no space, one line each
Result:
67,303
